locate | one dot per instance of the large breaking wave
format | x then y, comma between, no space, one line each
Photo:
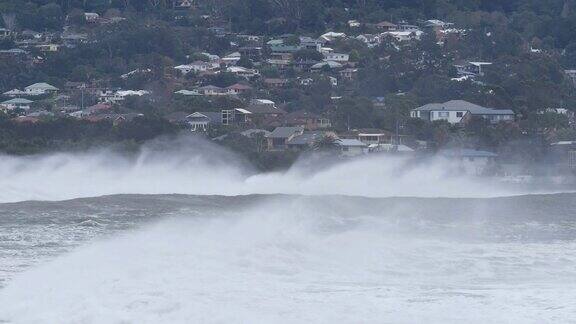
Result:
275,258
193,167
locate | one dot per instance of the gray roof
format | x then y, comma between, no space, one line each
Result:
215,117
466,153
351,143
211,87
253,132
264,109
18,101
42,86
307,138
284,132
462,105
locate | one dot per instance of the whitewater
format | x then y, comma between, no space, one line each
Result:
191,234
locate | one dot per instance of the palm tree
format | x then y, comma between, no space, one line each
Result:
326,143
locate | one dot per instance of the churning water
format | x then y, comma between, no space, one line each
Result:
319,257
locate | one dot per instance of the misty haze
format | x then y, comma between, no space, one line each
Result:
287,161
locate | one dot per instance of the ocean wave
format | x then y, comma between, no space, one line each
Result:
294,259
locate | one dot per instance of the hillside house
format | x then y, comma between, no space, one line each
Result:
202,121
369,136
14,93
404,35
306,119
337,57
92,17
243,72
306,140
471,68
386,26
370,40
17,103
183,4
280,136
238,89
197,66
38,89
460,111
352,147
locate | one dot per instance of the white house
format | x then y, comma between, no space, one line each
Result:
243,72
201,121
403,36
211,90
352,147
435,23
38,89
471,68
232,58
17,103
14,93
370,40
117,96
183,4
459,111
92,17
354,24
336,57
188,92
197,66
331,36
329,64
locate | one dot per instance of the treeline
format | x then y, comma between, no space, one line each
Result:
72,134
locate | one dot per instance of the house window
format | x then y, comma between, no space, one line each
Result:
443,114
459,114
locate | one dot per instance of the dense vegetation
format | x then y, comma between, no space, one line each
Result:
158,37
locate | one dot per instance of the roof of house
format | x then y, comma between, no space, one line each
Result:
385,24
307,138
466,153
42,86
185,92
214,117
330,64
210,87
351,143
14,92
462,105
371,132
18,101
253,132
275,81
285,132
262,101
264,109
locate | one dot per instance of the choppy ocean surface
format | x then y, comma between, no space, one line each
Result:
289,259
